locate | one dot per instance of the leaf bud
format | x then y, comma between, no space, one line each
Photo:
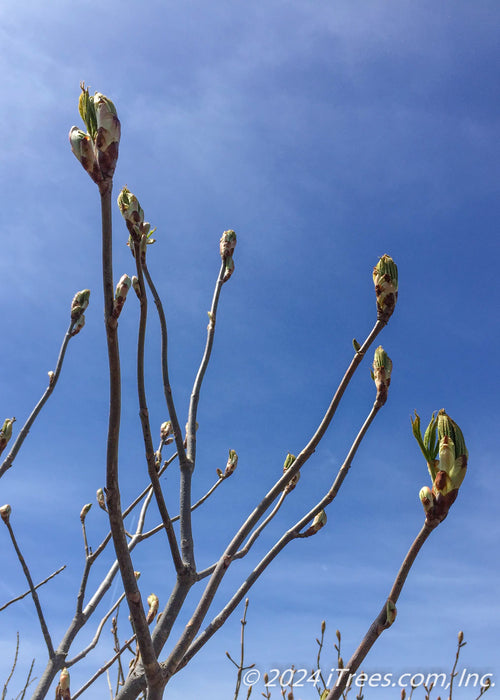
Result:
382,368
6,432
136,286
101,500
319,521
79,304
62,690
385,279
121,292
232,462
289,460
227,244
137,575
426,498
228,270
5,512
77,327
153,603
84,511
165,429
83,149
108,134
390,613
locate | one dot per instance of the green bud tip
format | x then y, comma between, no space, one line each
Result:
390,613
232,463
79,304
6,431
5,512
78,325
385,279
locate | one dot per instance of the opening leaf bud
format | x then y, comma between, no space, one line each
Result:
385,279
79,304
86,108
453,453
232,462
5,512
121,292
382,368
229,269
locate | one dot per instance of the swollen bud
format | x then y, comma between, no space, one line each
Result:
231,464
6,432
84,511
385,279
78,325
136,286
426,498
382,368
108,134
165,429
5,512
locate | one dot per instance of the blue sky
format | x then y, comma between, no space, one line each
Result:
326,134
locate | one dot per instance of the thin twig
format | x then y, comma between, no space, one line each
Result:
29,681
381,622
104,668
20,597
23,433
95,639
34,594
144,416
14,664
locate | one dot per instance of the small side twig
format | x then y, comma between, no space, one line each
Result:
240,665
20,597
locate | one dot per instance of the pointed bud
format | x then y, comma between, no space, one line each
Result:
323,627
137,575
382,368
289,460
100,499
153,603
232,461
385,279
356,345
79,304
84,511
460,637
5,512
6,432
131,210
